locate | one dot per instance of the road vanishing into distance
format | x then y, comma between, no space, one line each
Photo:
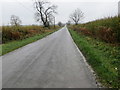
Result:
52,62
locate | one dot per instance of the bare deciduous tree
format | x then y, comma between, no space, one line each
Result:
60,24
44,12
77,16
15,21
69,22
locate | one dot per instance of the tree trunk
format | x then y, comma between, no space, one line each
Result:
76,23
46,24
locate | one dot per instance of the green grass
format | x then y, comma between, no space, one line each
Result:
8,47
101,56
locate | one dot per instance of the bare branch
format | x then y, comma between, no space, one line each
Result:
15,21
44,11
77,16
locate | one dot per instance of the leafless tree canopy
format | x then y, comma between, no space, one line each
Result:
69,22
15,21
60,24
77,16
44,12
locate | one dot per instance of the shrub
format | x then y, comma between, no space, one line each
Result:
10,33
106,29
106,34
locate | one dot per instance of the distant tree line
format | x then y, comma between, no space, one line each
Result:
45,14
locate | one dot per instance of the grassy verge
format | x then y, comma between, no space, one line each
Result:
102,57
8,47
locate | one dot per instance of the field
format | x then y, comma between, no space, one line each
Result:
99,42
15,37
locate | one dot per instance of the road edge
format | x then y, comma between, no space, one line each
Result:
99,85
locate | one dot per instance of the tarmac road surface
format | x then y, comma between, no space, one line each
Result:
52,62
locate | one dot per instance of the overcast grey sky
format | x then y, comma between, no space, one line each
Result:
94,9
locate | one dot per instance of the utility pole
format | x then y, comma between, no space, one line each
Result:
54,21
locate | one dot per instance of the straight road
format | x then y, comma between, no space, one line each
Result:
52,62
